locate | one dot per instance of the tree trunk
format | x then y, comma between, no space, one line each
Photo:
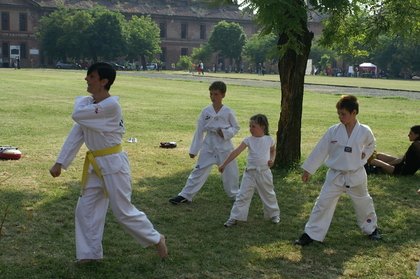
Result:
292,67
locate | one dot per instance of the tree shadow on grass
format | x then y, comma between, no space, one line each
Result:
199,245
347,252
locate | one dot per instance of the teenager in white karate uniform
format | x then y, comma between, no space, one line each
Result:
257,175
216,127
106,178
344,149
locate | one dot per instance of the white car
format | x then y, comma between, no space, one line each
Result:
152,66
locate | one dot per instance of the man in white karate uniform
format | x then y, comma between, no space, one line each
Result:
215,128
106,176
344,149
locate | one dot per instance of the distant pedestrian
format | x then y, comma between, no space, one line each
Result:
201,66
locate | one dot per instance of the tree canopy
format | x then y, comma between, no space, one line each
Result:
143,38
289,20
259,49
228,38
97,34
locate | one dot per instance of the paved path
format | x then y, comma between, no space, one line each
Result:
326,89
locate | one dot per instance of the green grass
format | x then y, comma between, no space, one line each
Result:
37,238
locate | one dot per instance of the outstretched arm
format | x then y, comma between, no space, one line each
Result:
232,156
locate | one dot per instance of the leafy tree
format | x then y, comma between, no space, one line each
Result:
50,31
105,36
260,48
321,57
387,33
397,57
202,53
70,33
75,35
184,63
228,38
289,20
143,39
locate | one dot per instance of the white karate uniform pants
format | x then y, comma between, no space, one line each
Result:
262,181
323,211
92,208
200,173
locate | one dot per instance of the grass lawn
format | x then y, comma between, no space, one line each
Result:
37,211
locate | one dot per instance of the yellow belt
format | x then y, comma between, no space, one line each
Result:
90,160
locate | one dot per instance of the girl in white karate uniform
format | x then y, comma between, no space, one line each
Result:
257,175
106,177
344,148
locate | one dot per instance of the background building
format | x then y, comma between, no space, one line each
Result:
184,25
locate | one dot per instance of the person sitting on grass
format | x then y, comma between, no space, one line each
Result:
407,165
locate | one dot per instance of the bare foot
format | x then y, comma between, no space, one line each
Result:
161,247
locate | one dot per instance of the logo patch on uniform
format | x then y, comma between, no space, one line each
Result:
207,117
348,149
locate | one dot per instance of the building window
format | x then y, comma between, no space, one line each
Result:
184,51
203,34
163,54
23,22
5,21
184,31
23,51
162,27
5,49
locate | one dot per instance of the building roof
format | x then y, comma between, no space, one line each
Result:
180,8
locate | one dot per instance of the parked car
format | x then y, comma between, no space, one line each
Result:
62,65
152,66
116,66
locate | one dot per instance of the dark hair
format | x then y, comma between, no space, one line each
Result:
105,71
218,85
349,103
261,120
416,130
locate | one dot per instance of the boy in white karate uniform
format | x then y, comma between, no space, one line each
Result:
106,175
344,148
216,127
257,175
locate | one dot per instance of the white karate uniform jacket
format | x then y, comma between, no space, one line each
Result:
206,139
213,150
101,126
345,157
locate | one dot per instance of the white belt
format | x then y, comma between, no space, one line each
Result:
258,169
